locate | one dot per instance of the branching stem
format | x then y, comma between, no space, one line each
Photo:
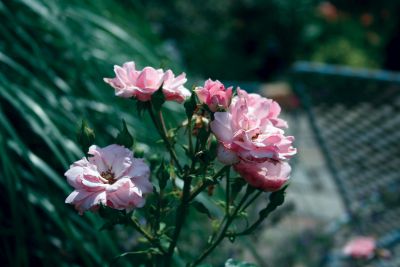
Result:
160,126
222,235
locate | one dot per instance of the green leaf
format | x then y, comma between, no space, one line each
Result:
112,217
203,135
275,200
236,263
186,149
105,212
200,207
124,138
158,99
162,175
212,153
85,136
190,106
165,241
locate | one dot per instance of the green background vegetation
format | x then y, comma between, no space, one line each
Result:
53,56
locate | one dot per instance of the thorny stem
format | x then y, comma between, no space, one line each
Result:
270,208
252,200
161,130
148,236
188,196
190,133
180,219
228,192
207,183
222,233
251,228
248,230
160,115
156,227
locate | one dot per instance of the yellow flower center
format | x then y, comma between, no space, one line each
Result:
109,176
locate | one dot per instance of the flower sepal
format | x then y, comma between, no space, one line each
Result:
124,137
113,217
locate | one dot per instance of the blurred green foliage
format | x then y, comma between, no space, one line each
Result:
53,55
258,39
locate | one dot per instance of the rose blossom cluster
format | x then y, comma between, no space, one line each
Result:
142,84
247,127
251,137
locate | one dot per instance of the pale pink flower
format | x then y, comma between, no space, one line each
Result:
130,82
226,156
173,88
252,130
268,176
214,95
112,177
362,247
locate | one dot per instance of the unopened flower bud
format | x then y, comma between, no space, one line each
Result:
85,136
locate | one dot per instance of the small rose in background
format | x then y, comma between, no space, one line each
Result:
142,84
214,95
111,177
362,247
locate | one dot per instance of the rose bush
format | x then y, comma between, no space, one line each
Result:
244,132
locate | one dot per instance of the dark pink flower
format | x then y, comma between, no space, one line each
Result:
214,95
268,176
112,177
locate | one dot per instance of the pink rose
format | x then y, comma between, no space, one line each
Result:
252,130
226,156
214,95
130,82
112,177
267,176
173,88
362,247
